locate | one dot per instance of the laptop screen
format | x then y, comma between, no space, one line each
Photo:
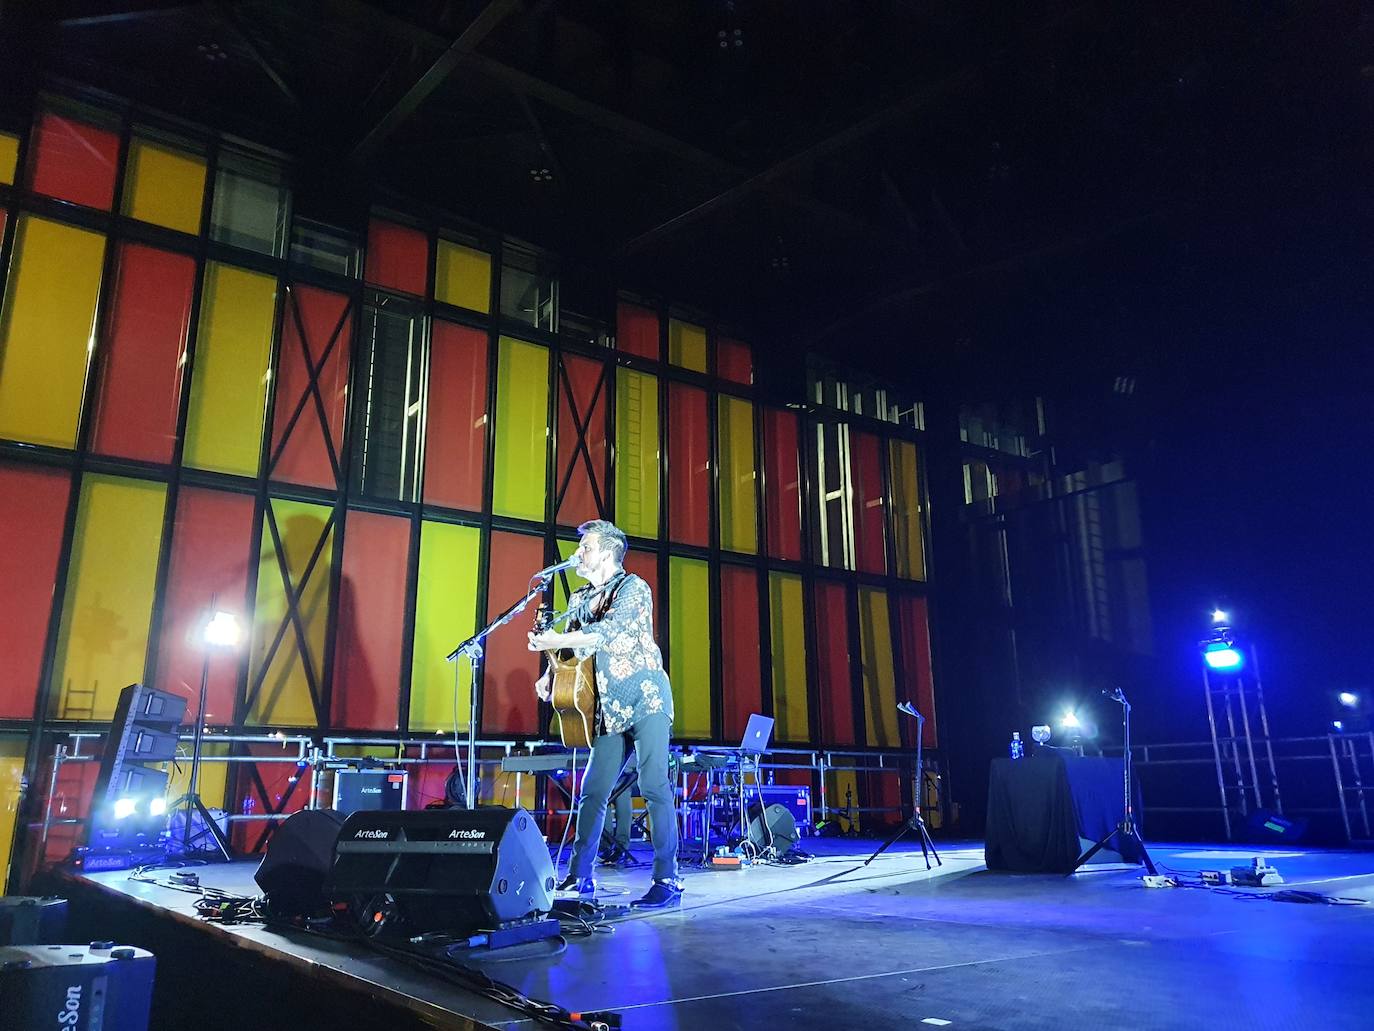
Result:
757,734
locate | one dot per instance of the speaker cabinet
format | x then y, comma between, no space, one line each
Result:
296,865
450,870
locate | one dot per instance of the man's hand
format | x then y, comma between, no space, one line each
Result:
543,688
545,642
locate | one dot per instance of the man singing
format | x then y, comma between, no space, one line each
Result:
613,618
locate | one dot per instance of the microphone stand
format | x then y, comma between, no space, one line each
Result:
473,648
915,823
1126,829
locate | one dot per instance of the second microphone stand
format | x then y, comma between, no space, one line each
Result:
915,823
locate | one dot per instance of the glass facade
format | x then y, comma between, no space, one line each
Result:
364,442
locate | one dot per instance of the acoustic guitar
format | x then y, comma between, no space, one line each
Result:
573,682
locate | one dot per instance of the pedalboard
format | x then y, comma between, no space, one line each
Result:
1259,874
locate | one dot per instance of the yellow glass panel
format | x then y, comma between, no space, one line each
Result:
47,330
164,186
282,696
522,429
9,159
735,443
906,509
879,678
445,616
689,648
636,453
788,639
229,379
212,781
11,776
687,345
462,276
109,600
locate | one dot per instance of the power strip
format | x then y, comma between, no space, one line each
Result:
1159,881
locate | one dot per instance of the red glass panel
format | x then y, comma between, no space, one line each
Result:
283,788
579,501
739,640
636,331
212,541
71,801
140,377
508,702
689,466
832,663
371,622
734,361
782,484
74,161
31,521
918,684
298,438
397,257
644,564
456,431
866,459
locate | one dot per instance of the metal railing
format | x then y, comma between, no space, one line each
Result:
1327,775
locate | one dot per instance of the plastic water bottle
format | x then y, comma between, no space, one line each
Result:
1017,748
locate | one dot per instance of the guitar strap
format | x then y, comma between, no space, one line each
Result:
606,595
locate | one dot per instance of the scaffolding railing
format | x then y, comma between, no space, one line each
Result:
1327,775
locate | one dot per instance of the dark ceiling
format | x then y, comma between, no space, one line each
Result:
1002,193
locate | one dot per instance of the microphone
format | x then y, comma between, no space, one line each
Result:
908,708
547,572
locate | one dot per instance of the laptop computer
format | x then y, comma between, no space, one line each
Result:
757,734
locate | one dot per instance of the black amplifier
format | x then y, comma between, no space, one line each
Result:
29,920
356,790
444,869
101,986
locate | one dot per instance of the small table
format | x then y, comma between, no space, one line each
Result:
1046,810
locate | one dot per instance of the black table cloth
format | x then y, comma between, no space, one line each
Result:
1046,810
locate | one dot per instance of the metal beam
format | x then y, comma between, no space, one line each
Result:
133,13
806,158
231,21
596,114
478,29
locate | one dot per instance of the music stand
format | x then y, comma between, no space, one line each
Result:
915,823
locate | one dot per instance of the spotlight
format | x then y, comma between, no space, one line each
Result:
1349,699
222,630
1337,725
1222,656
1220,616
124,808
157,807
1070,721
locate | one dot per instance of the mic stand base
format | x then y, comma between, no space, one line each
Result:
914,823
1124,831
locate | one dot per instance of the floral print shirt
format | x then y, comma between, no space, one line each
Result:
630,680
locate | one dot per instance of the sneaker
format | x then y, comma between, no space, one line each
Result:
571,885
661,895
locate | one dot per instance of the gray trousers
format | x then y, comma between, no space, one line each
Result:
649,738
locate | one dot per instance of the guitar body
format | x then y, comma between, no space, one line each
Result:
574,697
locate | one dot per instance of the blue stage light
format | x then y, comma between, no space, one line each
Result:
1349,699
1222,656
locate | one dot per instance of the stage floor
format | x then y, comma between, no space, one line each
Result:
834,944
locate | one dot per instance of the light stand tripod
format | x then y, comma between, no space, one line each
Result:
222,629
1125,830
915,823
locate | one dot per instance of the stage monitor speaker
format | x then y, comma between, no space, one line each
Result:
75,987
32,920
450,870
124,812
295,866
774,826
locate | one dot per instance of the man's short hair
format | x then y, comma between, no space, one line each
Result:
608,533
